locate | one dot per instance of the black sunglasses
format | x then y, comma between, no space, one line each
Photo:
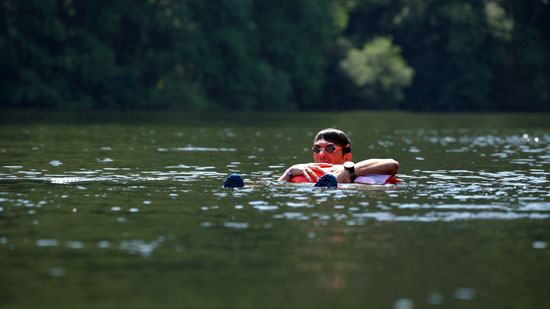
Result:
328,148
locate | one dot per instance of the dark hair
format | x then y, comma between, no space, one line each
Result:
335,136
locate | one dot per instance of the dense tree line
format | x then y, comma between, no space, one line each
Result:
276,54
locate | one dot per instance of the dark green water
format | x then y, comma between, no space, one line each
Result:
109,210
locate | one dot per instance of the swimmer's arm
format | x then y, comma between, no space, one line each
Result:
376,166
303,169
367,167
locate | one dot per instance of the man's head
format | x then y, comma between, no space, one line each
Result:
335,140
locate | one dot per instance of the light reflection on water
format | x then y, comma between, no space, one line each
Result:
438,195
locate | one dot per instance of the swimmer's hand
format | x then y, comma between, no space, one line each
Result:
308,170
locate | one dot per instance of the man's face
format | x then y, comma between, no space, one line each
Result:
335,157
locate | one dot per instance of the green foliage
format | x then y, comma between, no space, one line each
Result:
522,69
467,55
499,23
275,55
379,71
188,54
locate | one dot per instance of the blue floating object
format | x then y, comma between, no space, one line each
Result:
327,181
233,181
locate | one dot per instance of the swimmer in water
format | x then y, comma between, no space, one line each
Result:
332,154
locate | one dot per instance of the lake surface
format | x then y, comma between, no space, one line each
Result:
127,209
